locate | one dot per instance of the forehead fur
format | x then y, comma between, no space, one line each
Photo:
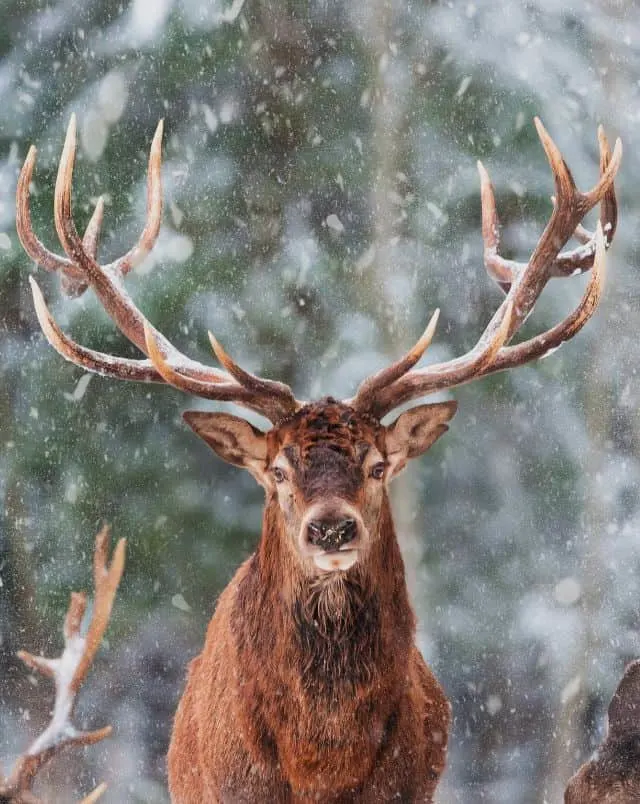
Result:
327,423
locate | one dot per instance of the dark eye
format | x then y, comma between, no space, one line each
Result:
377,470
278,474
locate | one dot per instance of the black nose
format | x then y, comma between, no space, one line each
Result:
331,535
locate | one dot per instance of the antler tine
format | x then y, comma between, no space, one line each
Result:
258,385
30,242
609,204
76,287
95,795
563,180
567,263
440,375
570,208
106,579
503,271
524,282
82,254
69,671
97,362
580,259
151,229
368,389
121,368
547,342
126,315
71,277
270,399
499,357
79,268
94,227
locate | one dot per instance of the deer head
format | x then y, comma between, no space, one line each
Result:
325,469
326,466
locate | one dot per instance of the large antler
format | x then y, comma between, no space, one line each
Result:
380,393
69,672
523,284
79,270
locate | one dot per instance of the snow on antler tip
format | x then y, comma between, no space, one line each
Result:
68,672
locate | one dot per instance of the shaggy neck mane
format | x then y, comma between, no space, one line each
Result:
334,629
337,632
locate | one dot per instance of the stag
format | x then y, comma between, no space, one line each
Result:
612,776
310,686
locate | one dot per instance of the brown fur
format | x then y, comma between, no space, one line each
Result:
310,687
612,776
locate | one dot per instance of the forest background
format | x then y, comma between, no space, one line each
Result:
321,200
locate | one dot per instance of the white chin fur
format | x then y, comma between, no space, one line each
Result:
340,560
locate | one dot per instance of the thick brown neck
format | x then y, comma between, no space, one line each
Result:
337,649
338,632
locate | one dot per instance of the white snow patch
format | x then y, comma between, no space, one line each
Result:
177,215
435,210
147,20
112,96
231,14
80,389
464,86
571,690
549,352
210,118
180,603
334,223
228,111
494,704
567,591
94,133
72,492
179,248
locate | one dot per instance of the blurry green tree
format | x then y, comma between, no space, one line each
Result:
322,200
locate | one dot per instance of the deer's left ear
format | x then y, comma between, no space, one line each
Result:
414,431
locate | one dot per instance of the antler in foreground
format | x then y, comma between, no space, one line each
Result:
613,775
69,672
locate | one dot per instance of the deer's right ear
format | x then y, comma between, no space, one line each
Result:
233,439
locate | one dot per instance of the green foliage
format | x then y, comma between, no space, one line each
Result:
274,122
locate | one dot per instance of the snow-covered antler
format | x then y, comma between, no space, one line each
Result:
69,672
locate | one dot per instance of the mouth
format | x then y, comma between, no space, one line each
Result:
336,560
